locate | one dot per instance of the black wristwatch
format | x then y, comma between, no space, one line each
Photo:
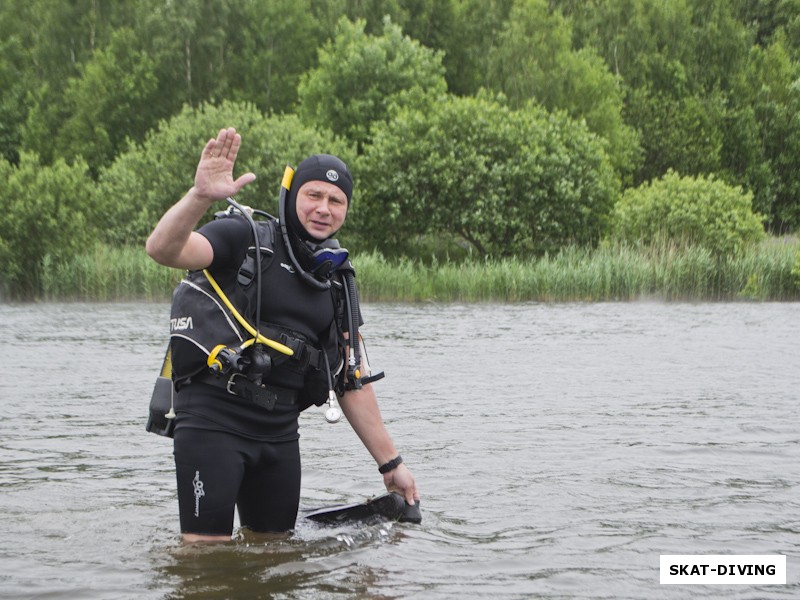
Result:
391,465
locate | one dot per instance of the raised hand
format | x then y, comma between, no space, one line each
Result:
174,242
213,179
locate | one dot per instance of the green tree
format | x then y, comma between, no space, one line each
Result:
371,12
721,44
191,44
683,134
636,38
470,41
766,18
360,77
699,211
683,64
56,36
135,190
646,41
109,103
44,44
771,87
12,96
508,182
42,212
277,44
430,22
534,59
744,158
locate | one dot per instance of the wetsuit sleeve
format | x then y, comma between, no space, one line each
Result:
229,238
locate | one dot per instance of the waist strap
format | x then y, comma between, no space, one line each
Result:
239,385
305,354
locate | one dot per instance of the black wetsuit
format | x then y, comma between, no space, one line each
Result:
228,450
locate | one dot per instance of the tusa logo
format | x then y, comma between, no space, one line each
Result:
180,324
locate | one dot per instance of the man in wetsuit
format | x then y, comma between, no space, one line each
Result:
230,451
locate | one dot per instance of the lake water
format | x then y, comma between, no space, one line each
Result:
560,449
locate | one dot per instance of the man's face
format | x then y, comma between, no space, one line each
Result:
321,208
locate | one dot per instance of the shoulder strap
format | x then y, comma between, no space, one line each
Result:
266,239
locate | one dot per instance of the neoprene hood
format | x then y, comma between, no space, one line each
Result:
320,167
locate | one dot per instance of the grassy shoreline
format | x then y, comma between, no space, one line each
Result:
609,273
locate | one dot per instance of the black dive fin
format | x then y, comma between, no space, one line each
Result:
390,506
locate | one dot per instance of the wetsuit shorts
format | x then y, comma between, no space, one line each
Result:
217,470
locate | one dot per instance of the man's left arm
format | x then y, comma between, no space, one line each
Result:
360,406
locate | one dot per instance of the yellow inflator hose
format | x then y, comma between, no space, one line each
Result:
250,329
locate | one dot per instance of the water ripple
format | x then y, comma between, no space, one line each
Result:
559,449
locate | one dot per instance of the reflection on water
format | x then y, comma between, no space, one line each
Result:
324,561
560,449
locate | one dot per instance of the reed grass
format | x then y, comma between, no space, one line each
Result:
108,273
611,272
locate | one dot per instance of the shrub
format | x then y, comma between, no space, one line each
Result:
508,182
360,77
42,211
688,211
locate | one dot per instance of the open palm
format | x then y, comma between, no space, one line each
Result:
214,176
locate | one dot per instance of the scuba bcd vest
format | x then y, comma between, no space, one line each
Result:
212,330
220,323
207,316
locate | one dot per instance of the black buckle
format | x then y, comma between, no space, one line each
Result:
295,344
304,353
239,385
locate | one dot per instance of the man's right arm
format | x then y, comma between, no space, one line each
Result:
174,242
